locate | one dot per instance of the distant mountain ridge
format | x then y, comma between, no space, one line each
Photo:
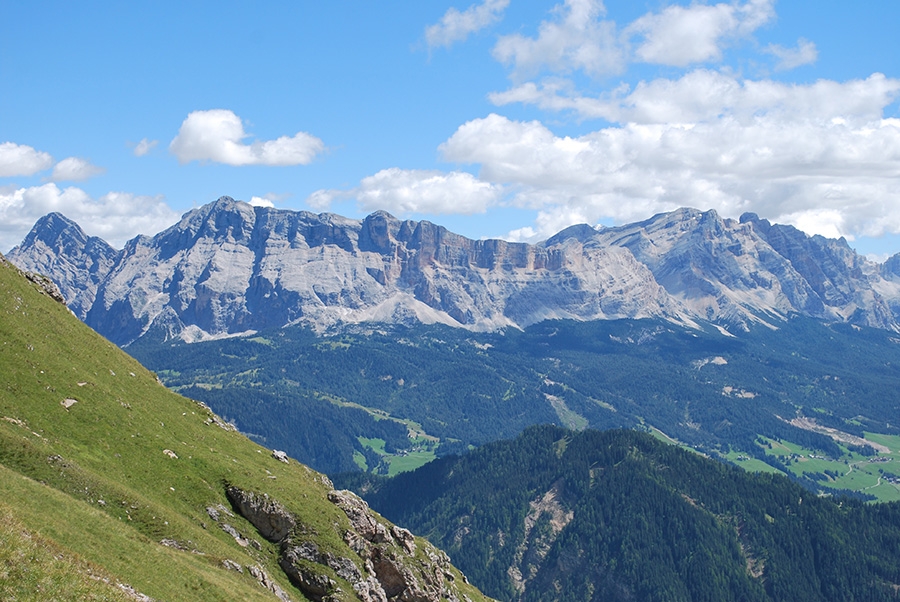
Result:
228,268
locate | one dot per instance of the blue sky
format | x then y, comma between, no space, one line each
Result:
499,118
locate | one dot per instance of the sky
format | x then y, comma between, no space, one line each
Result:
497,119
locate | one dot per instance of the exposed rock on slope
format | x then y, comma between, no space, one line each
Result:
228,268
388,566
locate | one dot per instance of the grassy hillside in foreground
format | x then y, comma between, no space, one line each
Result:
114,487
560,516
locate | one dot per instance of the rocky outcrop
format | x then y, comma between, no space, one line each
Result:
45,285
268,516
389,565
536,544
228,268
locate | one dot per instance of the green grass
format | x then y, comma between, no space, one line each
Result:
890,441
375,444
410,461
33,567
750,464
95,484
853,471
397,463
82,529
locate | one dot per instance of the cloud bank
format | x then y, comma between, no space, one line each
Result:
819,155
116,216
405,191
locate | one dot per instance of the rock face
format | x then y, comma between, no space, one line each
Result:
228,268
57,247
738,272
389,567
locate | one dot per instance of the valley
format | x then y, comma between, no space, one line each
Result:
397,396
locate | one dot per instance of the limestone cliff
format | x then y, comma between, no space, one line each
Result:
228,268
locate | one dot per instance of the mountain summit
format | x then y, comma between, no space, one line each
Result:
228,268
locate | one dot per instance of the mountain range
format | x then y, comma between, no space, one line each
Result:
115,488
229,268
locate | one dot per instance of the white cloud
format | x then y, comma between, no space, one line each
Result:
810,172
218,135
403,191
21,160
680,36
575,40
455,26
820,155
789,58
116,216
708,96
321,200
261,202
74,169
826,222
144,146
518,153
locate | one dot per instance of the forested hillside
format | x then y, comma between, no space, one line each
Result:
619,515
391,398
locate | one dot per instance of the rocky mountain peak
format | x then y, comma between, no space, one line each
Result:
583,233
57,247
379,233
54,230
229,267
223,219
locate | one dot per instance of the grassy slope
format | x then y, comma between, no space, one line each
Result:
94,479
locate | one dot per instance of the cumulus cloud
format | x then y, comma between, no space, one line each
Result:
74,169
680,36
819,155
455,26
116,216
258,201
404,191
321,200
575,39
825,222
144,146
704,95
790,58
22,160
218,135
807,172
